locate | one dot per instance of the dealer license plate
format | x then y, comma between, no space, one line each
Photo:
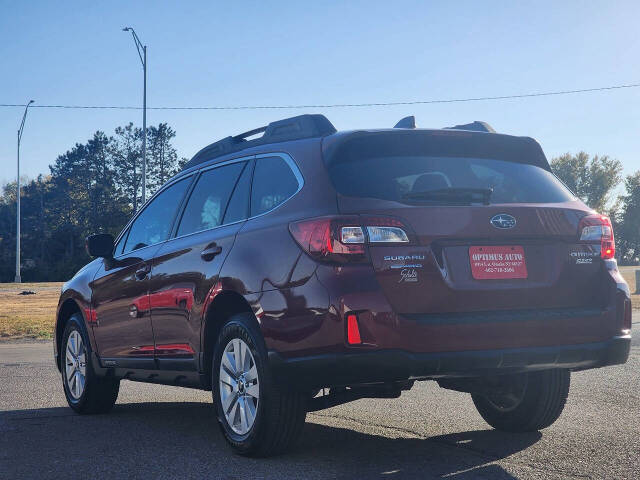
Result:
497,262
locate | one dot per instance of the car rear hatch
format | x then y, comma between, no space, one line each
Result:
490,228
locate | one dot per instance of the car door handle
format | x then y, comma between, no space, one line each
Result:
143,271
210,252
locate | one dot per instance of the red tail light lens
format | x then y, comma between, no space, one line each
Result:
598,229
344,239
321,238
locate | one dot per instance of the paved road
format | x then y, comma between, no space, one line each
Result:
168,432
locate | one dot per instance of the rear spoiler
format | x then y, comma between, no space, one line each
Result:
477,126
348,146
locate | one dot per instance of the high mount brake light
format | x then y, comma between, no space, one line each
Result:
597,228
343,239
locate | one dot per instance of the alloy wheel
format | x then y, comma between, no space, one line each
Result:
239,386
75,365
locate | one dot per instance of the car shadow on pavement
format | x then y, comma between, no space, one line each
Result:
182,440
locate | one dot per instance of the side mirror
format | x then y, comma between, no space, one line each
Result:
100,245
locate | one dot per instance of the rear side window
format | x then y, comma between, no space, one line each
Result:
402,173
273,183
238,208
208,201
154,224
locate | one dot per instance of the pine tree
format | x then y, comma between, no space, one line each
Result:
162,158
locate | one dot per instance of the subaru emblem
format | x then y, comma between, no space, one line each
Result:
503,221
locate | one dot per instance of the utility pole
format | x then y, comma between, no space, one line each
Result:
142,53
18,278
144,127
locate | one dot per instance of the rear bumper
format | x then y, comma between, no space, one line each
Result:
344,369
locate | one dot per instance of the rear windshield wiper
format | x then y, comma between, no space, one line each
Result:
455,195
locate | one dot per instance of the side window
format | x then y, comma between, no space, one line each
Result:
208,201
273,183
153,225
238,208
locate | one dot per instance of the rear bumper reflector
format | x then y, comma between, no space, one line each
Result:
353,330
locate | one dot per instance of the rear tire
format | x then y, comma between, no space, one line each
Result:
275,414
85,391
540,401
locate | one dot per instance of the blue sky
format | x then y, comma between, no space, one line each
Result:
275,53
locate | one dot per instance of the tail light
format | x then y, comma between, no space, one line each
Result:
344,239
598,229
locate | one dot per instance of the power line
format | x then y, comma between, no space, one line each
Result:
338,105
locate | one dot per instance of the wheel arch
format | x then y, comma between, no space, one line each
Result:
224,305
67,308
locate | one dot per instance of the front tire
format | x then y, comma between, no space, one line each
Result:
85,391
531,402
256,416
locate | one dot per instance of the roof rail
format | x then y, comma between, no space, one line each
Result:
476,126
294,128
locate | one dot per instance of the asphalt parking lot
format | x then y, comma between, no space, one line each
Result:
168,432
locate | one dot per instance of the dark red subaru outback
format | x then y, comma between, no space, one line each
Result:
308,268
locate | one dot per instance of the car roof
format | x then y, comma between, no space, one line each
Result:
316,128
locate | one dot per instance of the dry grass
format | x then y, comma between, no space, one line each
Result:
629,274
28,316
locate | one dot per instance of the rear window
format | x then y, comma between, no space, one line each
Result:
399,171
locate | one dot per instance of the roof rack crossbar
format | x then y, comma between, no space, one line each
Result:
250,133
294,128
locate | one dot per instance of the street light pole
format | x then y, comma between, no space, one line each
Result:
18,278
142,53
144,128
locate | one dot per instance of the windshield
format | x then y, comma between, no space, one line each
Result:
409,179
